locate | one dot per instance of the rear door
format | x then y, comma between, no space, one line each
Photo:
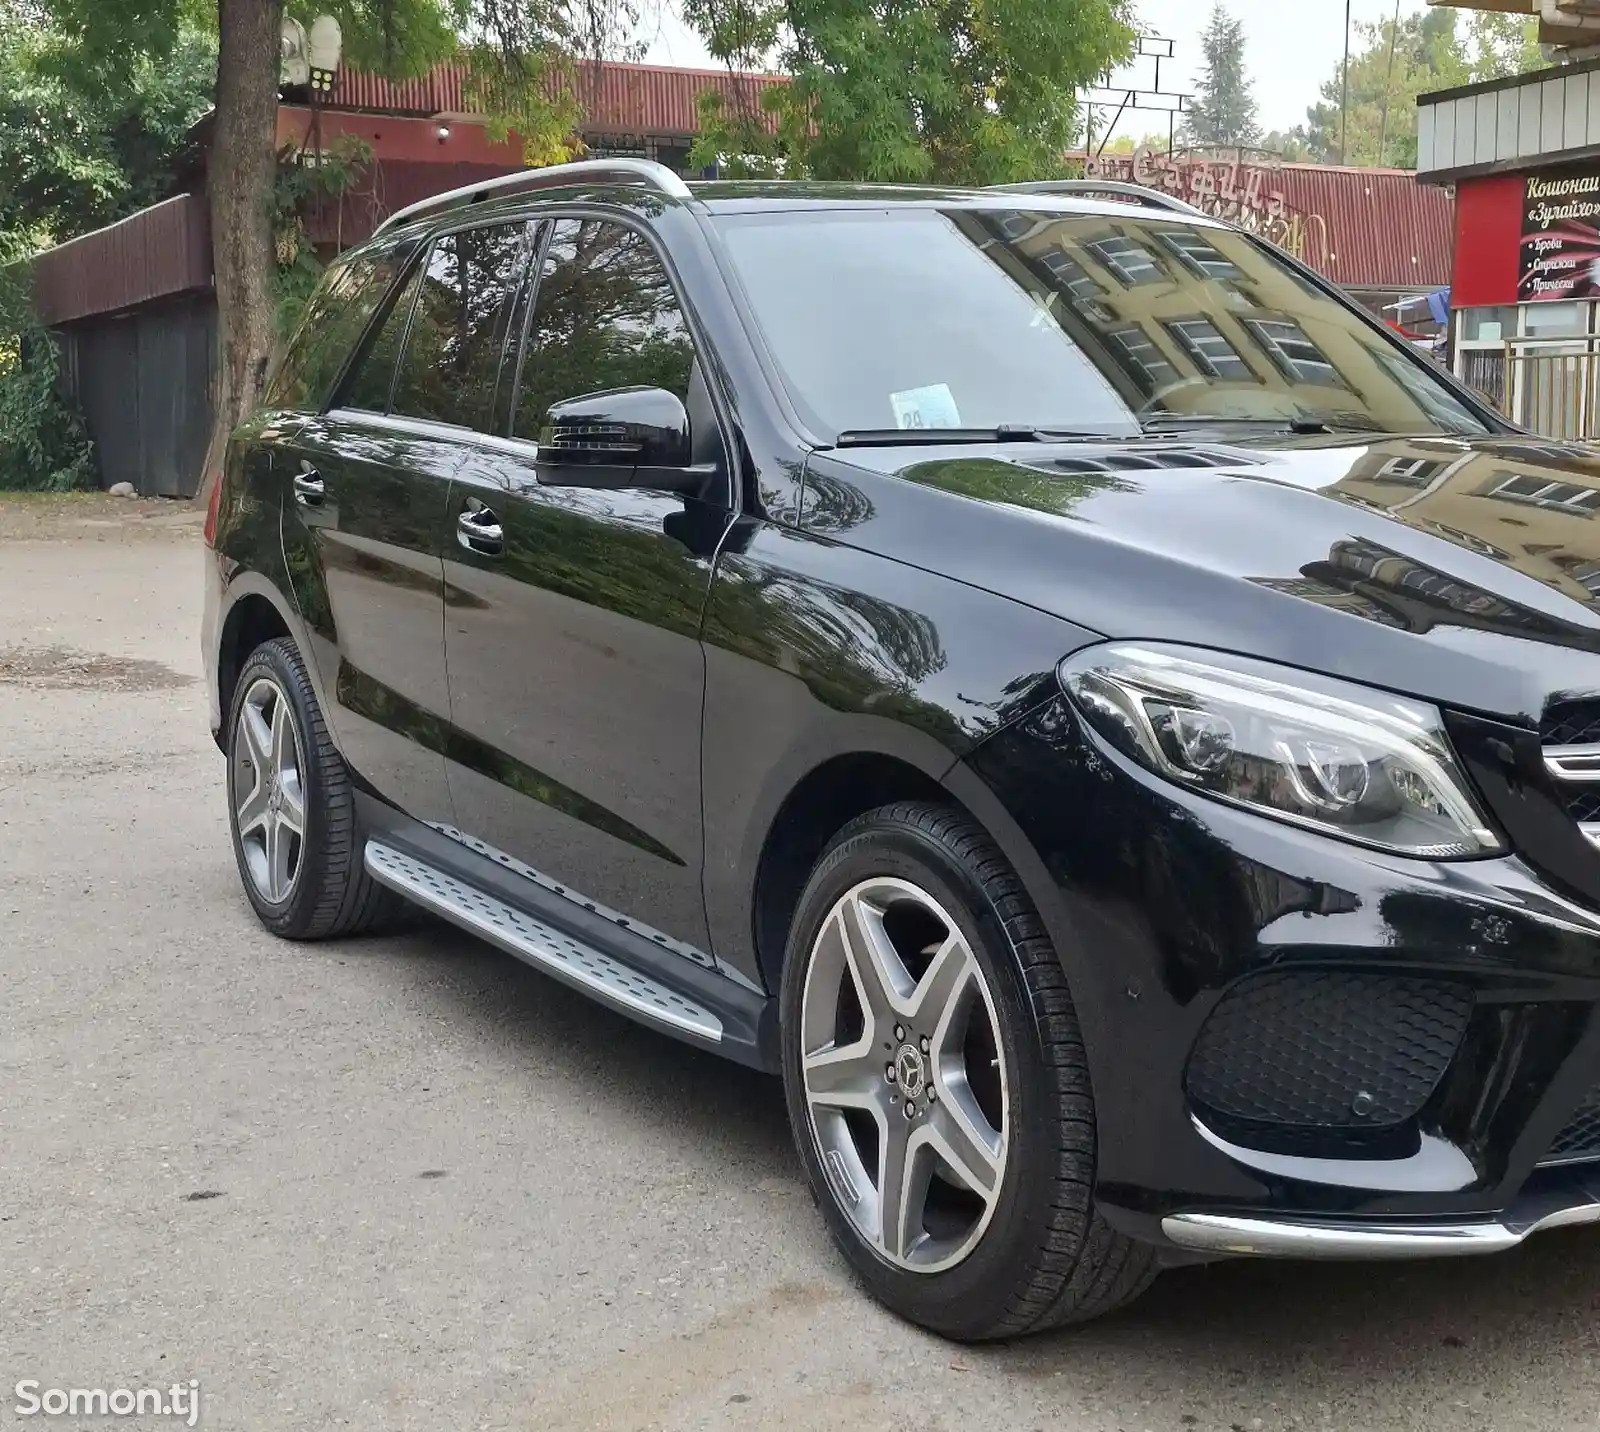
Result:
576,673
368,511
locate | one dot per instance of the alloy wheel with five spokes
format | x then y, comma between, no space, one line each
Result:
269,791
905,1081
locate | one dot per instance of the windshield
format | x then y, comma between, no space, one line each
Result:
905,318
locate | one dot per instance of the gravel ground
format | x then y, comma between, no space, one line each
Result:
408,1183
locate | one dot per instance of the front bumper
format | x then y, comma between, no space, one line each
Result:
1559,1200
1167,907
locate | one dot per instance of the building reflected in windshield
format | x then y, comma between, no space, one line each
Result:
1098,322
1200,322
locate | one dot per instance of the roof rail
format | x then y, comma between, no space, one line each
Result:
1152,198
639,173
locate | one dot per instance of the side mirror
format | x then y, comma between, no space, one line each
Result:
619,428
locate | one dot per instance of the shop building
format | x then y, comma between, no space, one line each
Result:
1522,156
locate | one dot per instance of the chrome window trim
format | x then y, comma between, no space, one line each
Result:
426,428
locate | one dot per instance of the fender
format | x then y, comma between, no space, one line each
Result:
251,532
253,584
816,651
1069,930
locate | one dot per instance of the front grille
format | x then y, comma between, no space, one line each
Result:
1574,723
1329,1050
1580,1139
1571,723
1583,805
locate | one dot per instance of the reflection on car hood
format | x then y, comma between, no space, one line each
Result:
1488,549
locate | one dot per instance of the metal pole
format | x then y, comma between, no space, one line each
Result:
1344,104
1388,80
1114,118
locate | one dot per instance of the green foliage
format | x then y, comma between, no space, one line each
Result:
398,38
302,186
519,54
43,445
77,153
1503,45
1390,66
1223,112
935,91
1128,144
1288,145
517,97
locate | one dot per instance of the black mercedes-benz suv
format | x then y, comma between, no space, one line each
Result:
1108,722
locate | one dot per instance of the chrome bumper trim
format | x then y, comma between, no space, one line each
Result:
1293,1238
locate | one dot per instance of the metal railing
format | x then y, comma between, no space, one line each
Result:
1551,387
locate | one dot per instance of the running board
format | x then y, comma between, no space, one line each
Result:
541,945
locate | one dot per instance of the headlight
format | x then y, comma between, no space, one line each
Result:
1348,761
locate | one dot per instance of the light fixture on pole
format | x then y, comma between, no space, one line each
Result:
309,62
324,45
294,69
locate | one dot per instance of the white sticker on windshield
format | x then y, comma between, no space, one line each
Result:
930,407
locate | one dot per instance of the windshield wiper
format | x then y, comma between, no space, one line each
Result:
1005,433
1298,423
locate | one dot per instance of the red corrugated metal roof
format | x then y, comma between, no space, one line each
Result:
653,99
162,250
616,98
1384,230
1363,228
437,92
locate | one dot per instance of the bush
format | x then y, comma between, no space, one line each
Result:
43,443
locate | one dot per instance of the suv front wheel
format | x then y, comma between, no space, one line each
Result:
291,808
938,1088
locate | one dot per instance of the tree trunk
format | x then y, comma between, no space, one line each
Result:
239,177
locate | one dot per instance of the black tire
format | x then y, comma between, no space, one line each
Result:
1046,1258
332,893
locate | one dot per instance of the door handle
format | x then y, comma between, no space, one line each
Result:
309,488
479,530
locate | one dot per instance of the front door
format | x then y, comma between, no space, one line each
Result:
369,505
572,614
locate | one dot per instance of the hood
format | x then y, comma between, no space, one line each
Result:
1466,571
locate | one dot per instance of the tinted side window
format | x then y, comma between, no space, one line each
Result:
368,387
334,319
452,358
605,317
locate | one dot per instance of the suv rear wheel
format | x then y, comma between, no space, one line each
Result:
291,809
938,1088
